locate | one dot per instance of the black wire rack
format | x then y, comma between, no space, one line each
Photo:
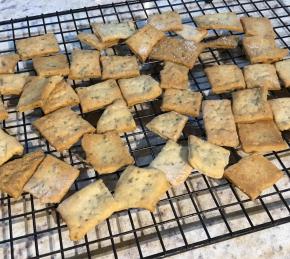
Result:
202,211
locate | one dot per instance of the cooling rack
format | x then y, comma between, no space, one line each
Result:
202,211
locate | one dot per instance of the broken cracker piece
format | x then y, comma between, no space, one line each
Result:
167,21
189,32
12,84
8,63
93,41
281,111
283,70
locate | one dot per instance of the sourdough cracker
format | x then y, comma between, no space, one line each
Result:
12,84
223,42
93,41
189,32
281,111
258,26
167,21
8,63
3,112
283,70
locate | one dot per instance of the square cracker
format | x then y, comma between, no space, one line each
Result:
172,160
12,84
42,45
177,50
207,158
116,116
85,64
224,42
251,105
3,112
225,78
262,50
55,65
106,152
261,136
115,67
184,102
63,128
15,174
140,188
283,70
281,111
142,42
174,76
87,208
219,123
99,95
63,95
167,21
93,41
9,146
168,125
51,180
139,89
261,75
258,26
8,63
189,32
253,174
113,31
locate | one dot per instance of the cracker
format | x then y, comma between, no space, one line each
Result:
139,89
262,50
189,32
3,112
261,75
184,102
113,31
51,180
63,95
9,146
116,67
142,42
116,116
225,78
63,128
177,50
99,95
106,152
219,123
174,76
281,111
140,188
168,125
15,174
261,136
283,70
219,21
258,26
42,45
93,41
85,64
251,105
253,174
87,208
224,42
172,160
167,21
12,84
55,65
207,158
8,63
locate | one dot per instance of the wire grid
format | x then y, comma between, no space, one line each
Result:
199,212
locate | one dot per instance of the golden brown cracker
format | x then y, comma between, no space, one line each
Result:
8,63
167,21
224,42
12,84
3,112
189,32
258,26
281,111
283,70
93,41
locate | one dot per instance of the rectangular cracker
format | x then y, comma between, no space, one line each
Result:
3,112
116,67
63,128
172,160
251,105
42,45
142,42
261,136
12,84
281,111
167,21
87,208
93,41
177,50
224,42
225,78
113,31
106,152
219,21
206,157
9,146
99,95
189,32
15,174
258,26
184,102
8,63
139,89
283,70
85,64
253,174
56,65
140,188
51,180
